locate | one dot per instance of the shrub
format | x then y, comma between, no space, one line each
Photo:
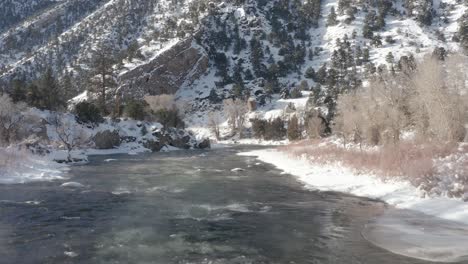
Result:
169,118
135,109
294,131
275,129
11,118
295,93
88,113
258,127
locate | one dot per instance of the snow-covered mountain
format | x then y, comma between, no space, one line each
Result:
204,51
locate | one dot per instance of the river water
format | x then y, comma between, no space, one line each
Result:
184,207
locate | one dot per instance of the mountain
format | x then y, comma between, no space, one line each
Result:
204,51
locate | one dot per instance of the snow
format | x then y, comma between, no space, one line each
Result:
20,167
417,226
333,177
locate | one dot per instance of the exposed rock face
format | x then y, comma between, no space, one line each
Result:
184,62
107,139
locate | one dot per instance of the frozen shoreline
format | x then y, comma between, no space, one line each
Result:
400,194
439,238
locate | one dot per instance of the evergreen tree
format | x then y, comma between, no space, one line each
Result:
332,19
51,96
103,74
389,58
256,56
18,93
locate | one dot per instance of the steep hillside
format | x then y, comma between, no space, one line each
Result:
206,51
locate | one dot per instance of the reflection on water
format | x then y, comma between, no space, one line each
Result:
184,207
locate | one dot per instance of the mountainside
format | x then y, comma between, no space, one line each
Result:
205,51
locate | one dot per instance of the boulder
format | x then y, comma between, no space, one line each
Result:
181,142
107,139
154,146
204,144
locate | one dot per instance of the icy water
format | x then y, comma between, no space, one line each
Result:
184,207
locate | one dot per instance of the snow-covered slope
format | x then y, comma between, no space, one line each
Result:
248,48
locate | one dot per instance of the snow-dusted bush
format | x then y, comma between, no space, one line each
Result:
68,133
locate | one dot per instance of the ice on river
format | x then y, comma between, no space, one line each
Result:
420,236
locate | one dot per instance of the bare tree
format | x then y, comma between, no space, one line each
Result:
350,116
438,111
161,102
235,111
11,117
69,133
214,120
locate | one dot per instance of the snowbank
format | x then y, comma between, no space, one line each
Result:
21,166
400,194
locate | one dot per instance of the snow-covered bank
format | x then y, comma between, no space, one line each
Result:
400,194
411,232
21,166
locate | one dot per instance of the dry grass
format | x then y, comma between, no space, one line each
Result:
412,160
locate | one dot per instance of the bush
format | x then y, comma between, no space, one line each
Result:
268,129
135,109
275,129
296,93
294,131
88,113
169,118
258,127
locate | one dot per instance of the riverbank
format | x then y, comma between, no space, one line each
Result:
334,177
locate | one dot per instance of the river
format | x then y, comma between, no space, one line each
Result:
184,207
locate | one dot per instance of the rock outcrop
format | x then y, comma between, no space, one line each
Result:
184,62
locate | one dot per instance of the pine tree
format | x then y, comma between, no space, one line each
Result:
256,56
18,93
389,58
51,96
332,19
104,75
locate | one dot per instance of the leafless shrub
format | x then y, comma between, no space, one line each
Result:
70,134
161,102
214,121
11,117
